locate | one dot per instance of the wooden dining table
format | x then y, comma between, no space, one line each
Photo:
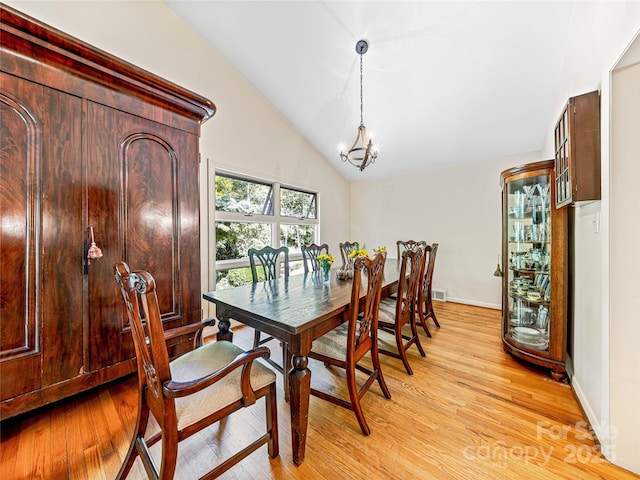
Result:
295,310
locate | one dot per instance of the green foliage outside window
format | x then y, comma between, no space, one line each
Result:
233,239
242,196
294,236
294,203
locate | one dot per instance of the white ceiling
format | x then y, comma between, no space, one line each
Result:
444,82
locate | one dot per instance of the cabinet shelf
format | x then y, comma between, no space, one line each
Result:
529,271
525,298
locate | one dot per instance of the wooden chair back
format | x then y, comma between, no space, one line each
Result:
345,249
410,271
403,245
309,254
363,323
267,260
425,295
139,294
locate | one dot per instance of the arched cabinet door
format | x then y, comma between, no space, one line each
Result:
40,204
144,205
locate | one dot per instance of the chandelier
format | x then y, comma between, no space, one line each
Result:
363,152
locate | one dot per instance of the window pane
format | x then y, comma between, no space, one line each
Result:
234,277
243,196
233,239
296,268
294,236
294,203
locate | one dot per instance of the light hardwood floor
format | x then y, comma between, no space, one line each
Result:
470,411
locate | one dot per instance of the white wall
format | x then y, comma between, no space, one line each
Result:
246,135
625,263
598,35
457,207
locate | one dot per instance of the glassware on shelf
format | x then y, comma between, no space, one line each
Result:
518,204
529,190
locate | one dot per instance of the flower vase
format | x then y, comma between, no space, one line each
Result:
326,271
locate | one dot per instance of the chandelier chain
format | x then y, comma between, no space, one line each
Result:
361,102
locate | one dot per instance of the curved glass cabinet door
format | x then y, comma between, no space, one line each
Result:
534,298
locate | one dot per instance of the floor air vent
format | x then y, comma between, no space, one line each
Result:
440,295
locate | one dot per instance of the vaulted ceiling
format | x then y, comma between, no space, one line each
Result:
445,82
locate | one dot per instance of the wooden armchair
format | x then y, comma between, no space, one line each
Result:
346,345
309,254
191,392
396,313
345,249
264,267
425,307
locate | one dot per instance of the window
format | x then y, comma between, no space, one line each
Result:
255,213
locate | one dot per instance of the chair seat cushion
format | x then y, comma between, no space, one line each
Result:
387,311
333,344
204,361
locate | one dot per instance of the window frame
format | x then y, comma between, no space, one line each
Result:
275,220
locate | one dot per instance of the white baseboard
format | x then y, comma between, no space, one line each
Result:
475,303
599,428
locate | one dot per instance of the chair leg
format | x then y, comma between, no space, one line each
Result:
375,360
414,333
355,401
272,421
402,352
169,454
423,318
425,327
256,338
286,366
433,315
139,431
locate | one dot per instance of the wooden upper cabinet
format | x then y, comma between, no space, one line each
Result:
577,150
88,140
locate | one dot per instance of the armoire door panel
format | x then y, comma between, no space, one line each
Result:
136,175
62,239
35,131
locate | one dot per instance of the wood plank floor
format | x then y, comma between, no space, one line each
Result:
469,411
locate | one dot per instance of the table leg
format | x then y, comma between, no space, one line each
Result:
224,330
299,392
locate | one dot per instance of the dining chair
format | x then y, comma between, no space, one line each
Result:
193,391
345,249
264,264
395,313
346,345
403,245
424,300
309,254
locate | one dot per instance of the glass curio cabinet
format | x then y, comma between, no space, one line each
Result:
534,253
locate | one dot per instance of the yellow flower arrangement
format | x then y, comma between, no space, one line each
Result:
359,252
380,249
325,260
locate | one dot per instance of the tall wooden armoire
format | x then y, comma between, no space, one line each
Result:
87,140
